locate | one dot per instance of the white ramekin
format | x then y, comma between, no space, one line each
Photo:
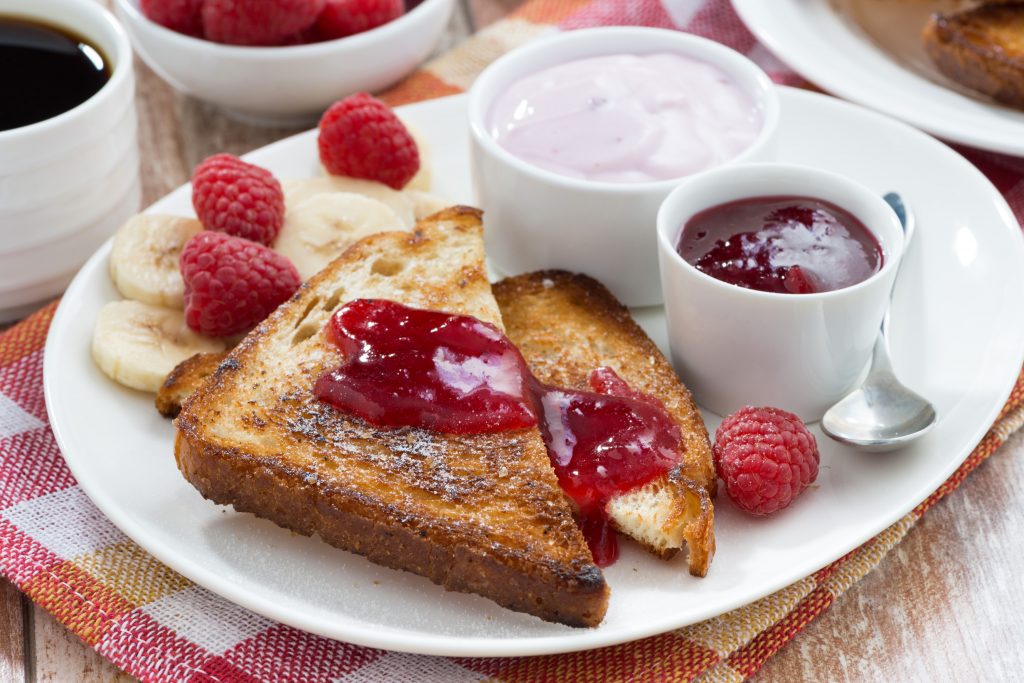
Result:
68,182
536,219
799,352
289,85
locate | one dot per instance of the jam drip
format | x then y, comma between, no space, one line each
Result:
605,442
455,374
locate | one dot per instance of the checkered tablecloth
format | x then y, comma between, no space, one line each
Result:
67,557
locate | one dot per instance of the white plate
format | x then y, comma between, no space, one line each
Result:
868,51
958,338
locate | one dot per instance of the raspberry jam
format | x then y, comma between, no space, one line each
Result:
606,442
787,245
408,367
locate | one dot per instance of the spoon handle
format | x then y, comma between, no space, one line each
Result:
881,360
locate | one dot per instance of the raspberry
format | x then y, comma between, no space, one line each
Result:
342,18
240,199
232,284
796,281
766,457
178,15
258,22
361,137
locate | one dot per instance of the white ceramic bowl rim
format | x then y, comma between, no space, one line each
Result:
120,72
716,53
668,231
275,51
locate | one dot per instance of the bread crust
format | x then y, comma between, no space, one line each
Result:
359,523
183,381
982,49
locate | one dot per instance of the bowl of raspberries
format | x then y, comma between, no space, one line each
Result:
282,62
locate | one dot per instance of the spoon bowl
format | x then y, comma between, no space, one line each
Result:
882,415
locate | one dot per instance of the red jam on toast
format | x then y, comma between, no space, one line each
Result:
408,367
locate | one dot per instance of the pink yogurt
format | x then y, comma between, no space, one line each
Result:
626,118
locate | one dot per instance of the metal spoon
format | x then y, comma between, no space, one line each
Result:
882,415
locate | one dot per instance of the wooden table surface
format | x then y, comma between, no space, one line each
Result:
946,604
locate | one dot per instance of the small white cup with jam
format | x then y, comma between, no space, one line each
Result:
775,279
578,138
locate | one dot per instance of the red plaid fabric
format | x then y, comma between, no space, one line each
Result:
66,556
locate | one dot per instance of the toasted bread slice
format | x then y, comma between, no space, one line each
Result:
566,326
554,311
184,379
479,513
982,49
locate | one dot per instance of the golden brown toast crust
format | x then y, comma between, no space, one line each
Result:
291,498
183,381
567,325
480,513
982,49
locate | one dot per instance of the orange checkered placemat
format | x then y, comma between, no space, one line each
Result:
70,559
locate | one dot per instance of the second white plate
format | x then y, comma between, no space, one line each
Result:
958,338
851,48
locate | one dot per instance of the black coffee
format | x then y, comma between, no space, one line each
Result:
44,71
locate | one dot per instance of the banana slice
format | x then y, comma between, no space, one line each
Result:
425,203
317,230
423,178
138,344
144,258
298,191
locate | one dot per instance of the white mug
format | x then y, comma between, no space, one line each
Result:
66,183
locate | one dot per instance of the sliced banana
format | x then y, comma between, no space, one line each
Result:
144,258
425,203
423,178
317,230
298,191
138,344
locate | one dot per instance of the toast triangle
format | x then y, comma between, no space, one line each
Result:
566,325
480,514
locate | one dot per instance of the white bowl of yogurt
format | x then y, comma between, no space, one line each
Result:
578,138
